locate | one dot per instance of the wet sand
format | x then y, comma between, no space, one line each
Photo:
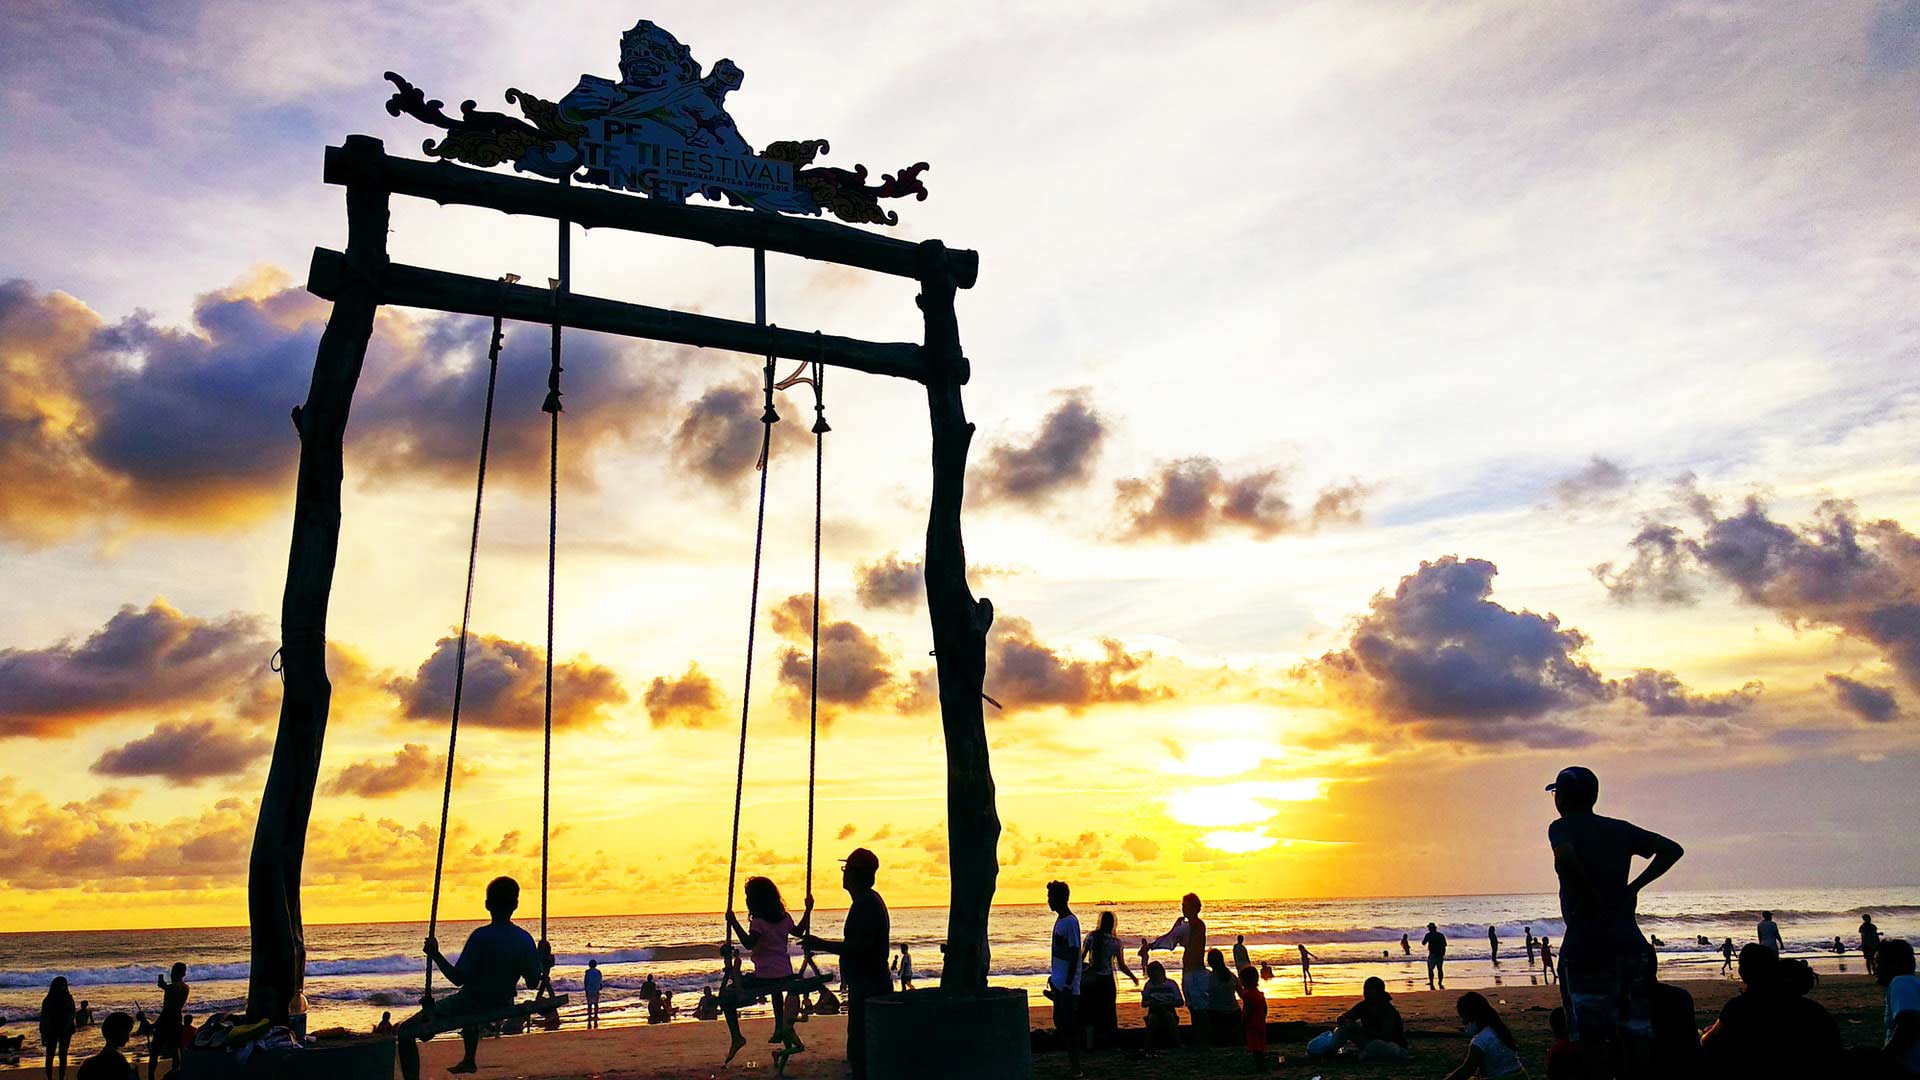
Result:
686,1051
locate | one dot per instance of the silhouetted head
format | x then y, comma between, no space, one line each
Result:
1894,959
1249,978
593,963
1156,970
1375,989
1190,905
859,869
116,1029
1557,1021
1217,963
1057,895
1108,922
1239,939
386,1017
1430,926
179,973
503,897
58,985
1759,965
1867,919
763,900
1767,915
1797,977
1575,790
1477,1015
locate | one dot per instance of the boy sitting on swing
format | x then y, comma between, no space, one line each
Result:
769,928
496,958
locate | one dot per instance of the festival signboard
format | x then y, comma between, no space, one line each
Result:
661,130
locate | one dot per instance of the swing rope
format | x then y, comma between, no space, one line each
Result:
466,616
552,407
768,417
820,429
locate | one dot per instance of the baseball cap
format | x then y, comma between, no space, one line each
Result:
1576,779
862,859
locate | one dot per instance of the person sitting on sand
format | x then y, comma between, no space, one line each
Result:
492,964
1894,969
166,1031
1162,999
83,1016
590,983
1563,1057
708,1006
1373,1025
1768,1029
385,1026
766,938
1189,933
56,1024
826,1003
1253,1016
110,1063
1491,1051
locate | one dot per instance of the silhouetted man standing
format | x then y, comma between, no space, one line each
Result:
1606,967
863,953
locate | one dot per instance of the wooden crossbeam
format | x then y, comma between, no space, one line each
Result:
413,286
364,163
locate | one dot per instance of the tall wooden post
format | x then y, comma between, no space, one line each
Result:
960,625
279,838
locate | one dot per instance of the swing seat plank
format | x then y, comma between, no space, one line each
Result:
750,990
440,1025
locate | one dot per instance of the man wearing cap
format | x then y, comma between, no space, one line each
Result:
863,952
1606,968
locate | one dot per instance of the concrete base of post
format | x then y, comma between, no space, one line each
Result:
937,1035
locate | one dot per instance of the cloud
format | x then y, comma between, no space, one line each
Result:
1663,694
718,437
188,427
413,766
1859,578
856,671
1438,654
1192,499
846,832
1141,848
151,658
1875,704
185,753
1022,672
1597,482
505,686
1060,455
889,582
691,701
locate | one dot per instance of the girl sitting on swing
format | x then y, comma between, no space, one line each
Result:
769,928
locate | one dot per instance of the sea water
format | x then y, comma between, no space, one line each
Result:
356,972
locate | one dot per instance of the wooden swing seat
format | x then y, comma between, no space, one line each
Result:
747,991
440,1025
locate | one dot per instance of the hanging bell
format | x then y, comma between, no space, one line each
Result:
820,426
768,415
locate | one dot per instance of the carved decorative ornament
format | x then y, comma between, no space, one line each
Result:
663,131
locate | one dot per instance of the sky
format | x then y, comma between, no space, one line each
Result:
1380,407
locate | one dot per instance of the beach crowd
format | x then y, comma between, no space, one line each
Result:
1616,1017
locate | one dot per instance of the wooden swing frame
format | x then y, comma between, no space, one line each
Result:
362,278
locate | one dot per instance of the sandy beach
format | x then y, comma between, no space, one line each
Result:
694,1050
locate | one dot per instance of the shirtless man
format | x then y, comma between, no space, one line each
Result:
1190,933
